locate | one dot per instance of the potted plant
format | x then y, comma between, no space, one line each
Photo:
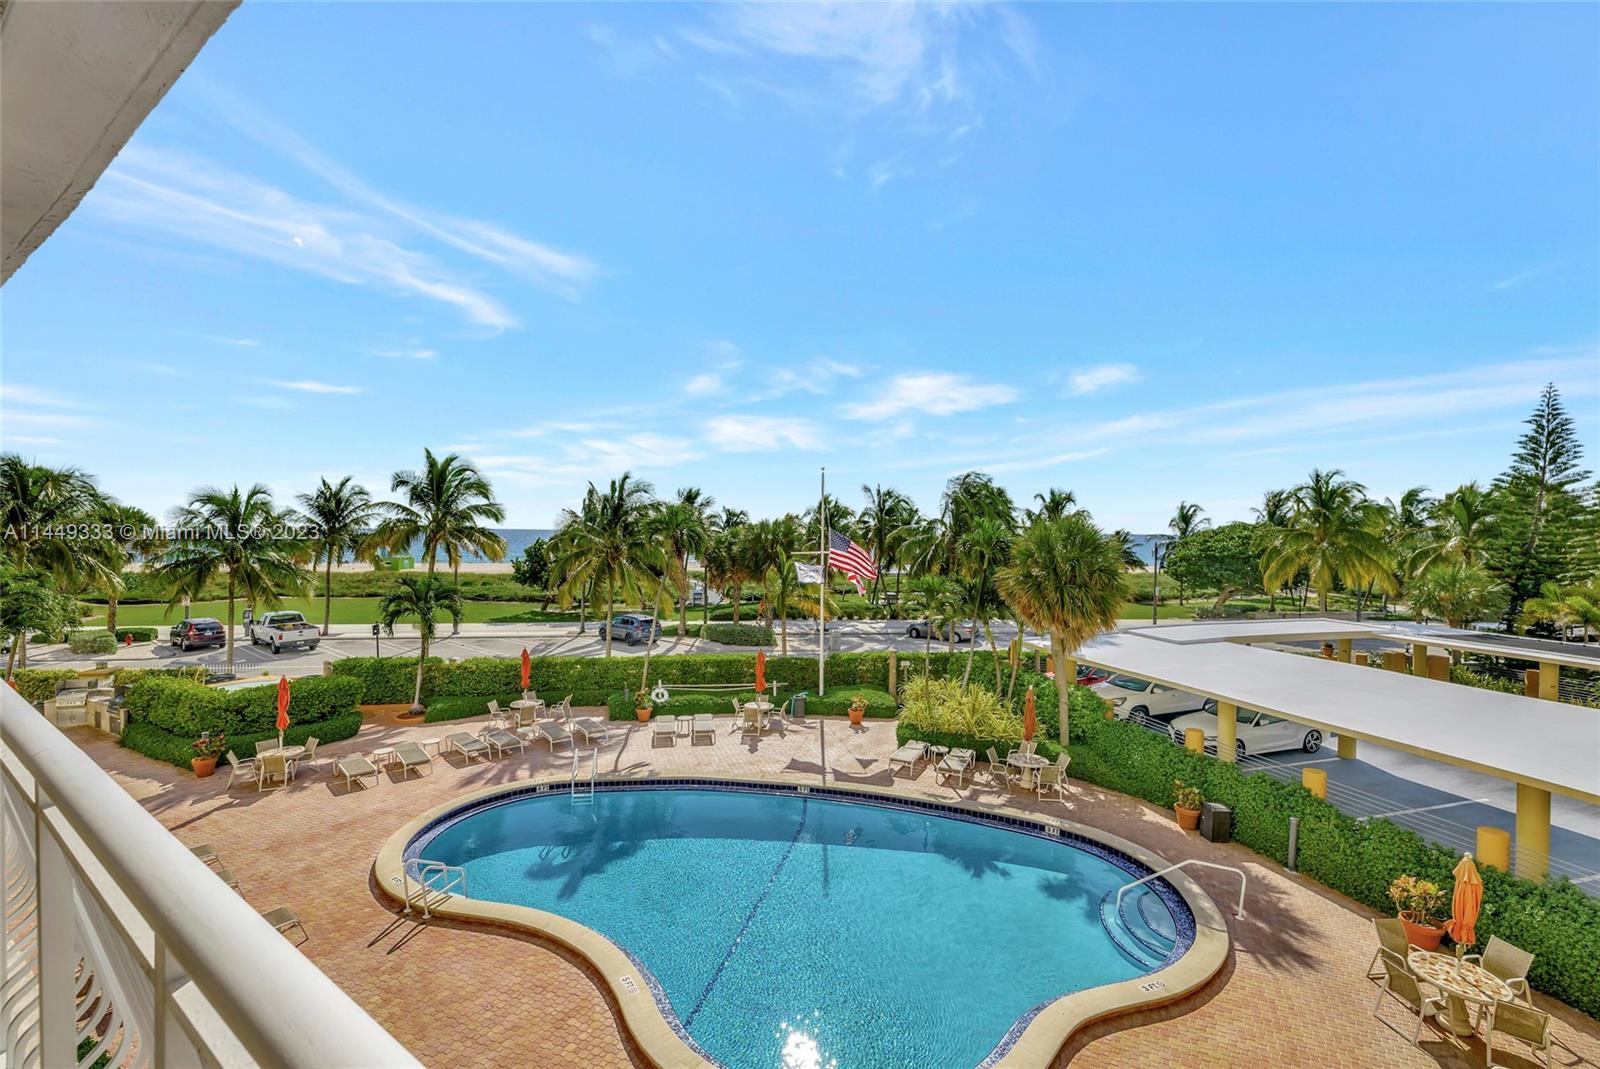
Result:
1186,804
858,709
1420,904
642,708
206,749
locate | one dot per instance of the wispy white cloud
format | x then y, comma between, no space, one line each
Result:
1102,375
1000,467
32,439
12,393
406,354
762,434
166,371
313,386
703,385
247,343
1521,278
935,393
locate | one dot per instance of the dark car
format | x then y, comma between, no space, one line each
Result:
631,629
191,634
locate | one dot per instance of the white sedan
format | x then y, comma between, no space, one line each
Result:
1142,700
1257,733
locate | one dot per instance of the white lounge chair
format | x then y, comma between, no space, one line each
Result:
908,755
283,918
353,767
500,741
467,745
413,756
549,731
955,763
704,724
207,853
591,728
663,727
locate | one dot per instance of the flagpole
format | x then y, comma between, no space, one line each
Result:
822,599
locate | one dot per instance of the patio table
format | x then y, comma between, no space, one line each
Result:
535,704
1030,763
292,753
1462,982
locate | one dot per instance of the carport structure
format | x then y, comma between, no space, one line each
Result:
1542,746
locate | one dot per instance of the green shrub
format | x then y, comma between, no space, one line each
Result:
383,680
441,710
182,707
738,634
38,685
1483,681
144,737
139,634
127,677
91,642
944,706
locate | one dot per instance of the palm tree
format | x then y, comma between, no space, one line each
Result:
982,550
134,537
933,546
238,533
1332,534
1564,609
880,523
683,531
1273,512
721,565
424,598
1052,506
782,596
1130,555
1404,527
609,544
1065,578
1186,520
344,515
944,601
1463,524
1457,593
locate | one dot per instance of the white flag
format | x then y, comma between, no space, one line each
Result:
808,573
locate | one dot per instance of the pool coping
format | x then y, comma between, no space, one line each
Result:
1044,1029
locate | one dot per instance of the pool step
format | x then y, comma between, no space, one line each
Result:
1142,928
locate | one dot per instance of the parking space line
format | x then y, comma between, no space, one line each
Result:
1429,808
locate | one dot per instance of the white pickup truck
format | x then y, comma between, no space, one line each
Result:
280,629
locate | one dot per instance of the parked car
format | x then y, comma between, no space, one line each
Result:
631,629
922,628
1140,699
1089,675
1257,732
192,634
280,629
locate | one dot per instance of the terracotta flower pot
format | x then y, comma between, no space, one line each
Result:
203,766
1188,819
1422,935
856,713
643,713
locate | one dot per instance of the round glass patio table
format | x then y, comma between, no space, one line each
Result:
536,704
284,751
1462,982
1030,763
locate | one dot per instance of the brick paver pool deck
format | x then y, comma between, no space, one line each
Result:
1292,994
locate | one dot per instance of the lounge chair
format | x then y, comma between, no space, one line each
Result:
1509,962
273,767
549,731
1520,1022
955,763
238,766
999,771
1401,985
283,918
1392,943
591,728
205,852
412,756
908,756
501,740
228,879
310,756
704,724
467,745
663,727
353,767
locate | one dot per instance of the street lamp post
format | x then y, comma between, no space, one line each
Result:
1156,548
377,643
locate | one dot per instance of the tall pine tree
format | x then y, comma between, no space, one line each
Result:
1545,507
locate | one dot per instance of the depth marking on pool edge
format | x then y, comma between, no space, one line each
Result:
749,917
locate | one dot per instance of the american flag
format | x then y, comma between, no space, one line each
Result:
852,560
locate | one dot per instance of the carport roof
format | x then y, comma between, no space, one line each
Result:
1541,743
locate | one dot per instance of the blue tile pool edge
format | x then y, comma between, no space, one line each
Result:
1183,917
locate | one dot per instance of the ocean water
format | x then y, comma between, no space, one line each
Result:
806,933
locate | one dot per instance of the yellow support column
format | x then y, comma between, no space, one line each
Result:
1530,682
1315,780
1549,681
1227,730
1419,660
1494,847
1194,740
1344,650
1347,747
1439,667
1394,661
1533,832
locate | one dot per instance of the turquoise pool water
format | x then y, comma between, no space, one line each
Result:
800,932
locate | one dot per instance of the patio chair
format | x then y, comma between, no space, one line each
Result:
591,728
1519,1022
264,745
501,740
353,767
908,756
206,852
1029,746
273,767
998,770
1509,962
283,918
467,745
564,710
663,727
548,731
238,766
1049,780
704,724
1392,943
412,756
1400,985
752,720
310,756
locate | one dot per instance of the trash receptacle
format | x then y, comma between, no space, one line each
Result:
1216,822
797,705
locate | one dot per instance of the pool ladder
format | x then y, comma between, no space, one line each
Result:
427,883
580,790
1238,911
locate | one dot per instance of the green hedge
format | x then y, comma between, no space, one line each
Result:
140,634
383,680
38,685
880,703
184,708
1555,920
144,737
441,710
127,677
738,634
91,642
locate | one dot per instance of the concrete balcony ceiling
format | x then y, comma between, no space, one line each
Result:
76,80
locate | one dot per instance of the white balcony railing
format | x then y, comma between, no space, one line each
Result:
119,944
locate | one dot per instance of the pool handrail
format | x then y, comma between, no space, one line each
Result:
1238,912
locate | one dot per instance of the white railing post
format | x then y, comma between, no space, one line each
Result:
58,956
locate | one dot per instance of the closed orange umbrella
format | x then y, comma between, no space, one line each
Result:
761,672
1465,902
1030,718
283,707
527,668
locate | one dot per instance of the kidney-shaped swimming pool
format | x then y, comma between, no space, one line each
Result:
780,929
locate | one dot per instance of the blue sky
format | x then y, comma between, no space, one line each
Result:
1145,252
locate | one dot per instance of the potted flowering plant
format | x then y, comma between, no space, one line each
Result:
206,749
1420,905
858,709
642,707
1186,802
